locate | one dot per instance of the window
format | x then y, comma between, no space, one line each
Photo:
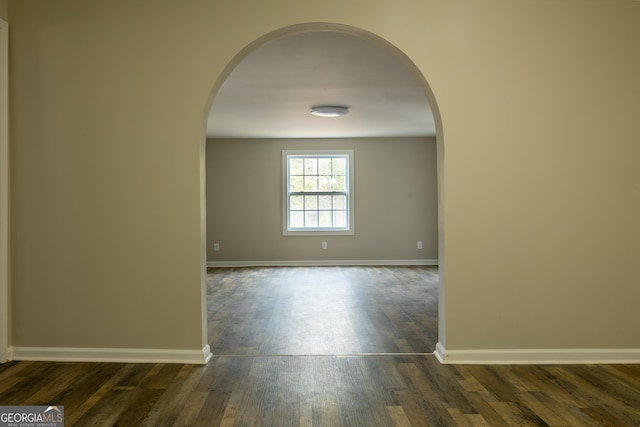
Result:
318,192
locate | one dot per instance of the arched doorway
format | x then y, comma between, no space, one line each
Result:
311,90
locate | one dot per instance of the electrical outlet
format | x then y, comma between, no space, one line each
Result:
324,245
216,247
419,244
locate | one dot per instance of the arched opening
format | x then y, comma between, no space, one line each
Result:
251,130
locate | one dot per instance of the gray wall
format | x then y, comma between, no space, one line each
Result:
395,201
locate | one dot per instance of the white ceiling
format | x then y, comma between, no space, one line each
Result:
269,94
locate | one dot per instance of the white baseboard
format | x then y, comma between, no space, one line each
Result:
317,263
537,356
116,355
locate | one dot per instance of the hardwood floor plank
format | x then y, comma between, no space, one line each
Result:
14,369
480,403
137,374
191,409
519,382
326,411
605,418
408,400
161,376
111,405
550,385
431,401
231,410
490,377
306,416
544,412
170,403
71,417
513,414
627,374
9,383
476,420
139,407
599,393
572,414
458,417
622,392
90,389
213,408
32,380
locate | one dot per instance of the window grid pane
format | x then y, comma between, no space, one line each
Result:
317,187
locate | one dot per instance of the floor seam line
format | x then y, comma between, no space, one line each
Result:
324,355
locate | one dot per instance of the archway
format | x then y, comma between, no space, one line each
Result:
398,56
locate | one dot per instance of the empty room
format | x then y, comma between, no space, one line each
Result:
187,239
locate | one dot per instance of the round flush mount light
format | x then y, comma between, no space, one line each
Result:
329,111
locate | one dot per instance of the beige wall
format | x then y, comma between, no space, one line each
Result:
539,148
4,10
395,201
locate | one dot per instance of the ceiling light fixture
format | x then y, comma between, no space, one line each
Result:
329,111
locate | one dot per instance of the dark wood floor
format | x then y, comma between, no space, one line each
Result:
323,310
268,373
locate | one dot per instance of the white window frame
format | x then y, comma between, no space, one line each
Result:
288,231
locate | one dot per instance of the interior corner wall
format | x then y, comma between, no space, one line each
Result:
538,107
395,202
